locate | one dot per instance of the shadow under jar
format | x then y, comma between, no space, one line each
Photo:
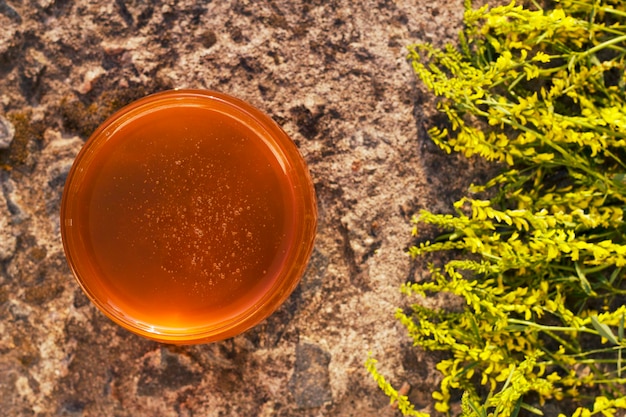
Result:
189,216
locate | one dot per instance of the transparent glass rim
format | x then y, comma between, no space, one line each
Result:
303,202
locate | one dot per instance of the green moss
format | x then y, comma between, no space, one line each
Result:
40,294
208,39
83,118
4,295
28,135
38,253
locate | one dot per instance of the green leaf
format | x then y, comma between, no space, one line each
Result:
620,334
604,330
614,275
584,283
531,409
620,178
518,407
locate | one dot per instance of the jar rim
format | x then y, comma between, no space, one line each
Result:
304,206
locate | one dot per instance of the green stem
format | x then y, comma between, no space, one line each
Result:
613,11
568,159
605,350
580,123
544,327
603,45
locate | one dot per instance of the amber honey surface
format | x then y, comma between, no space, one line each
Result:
184,218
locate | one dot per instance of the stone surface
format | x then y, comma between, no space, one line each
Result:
7,133
7,238
333,74
310,383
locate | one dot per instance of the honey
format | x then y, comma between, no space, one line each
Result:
188,216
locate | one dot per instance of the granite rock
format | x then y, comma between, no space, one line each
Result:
310,383
7,238
7,133
333,74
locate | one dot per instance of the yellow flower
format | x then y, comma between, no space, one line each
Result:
541,57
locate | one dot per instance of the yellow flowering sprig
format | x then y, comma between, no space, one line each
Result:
557,123
476,335
541,247
488,342
602,406
397,399
514,239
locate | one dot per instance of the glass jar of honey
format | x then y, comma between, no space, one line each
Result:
188,216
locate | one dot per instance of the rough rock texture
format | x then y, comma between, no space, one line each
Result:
310,380
7,133
333,74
